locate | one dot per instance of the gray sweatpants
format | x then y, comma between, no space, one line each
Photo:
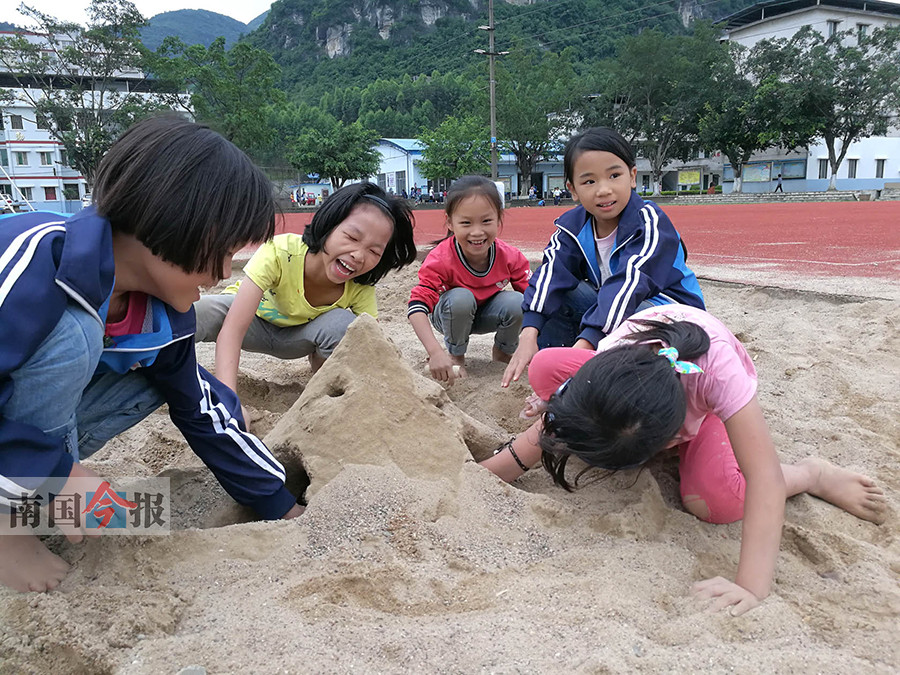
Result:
320,336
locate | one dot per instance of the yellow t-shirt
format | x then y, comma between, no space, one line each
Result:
277,268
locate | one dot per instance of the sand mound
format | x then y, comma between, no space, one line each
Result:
409,558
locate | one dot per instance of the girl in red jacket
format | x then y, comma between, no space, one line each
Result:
462,282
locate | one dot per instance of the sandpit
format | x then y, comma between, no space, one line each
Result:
410,557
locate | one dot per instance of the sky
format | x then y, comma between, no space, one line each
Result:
74,10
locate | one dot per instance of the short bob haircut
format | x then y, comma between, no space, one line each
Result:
401,249
624,405
184,192
596,138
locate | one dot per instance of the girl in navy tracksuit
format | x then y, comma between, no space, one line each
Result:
610,257
97,324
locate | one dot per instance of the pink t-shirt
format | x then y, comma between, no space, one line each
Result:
727,383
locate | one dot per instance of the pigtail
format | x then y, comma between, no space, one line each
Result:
688,338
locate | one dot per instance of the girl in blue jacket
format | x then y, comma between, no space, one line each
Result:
610,257
97,324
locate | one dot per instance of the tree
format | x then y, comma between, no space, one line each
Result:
73,77
458,147
735,122
232,91
535,97
840,88
339,152
657,89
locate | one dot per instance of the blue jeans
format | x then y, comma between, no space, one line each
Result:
563,328
56,389
457,316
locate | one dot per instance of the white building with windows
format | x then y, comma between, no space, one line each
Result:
870,162
34,169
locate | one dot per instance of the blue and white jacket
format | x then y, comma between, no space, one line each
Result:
648,262
47,260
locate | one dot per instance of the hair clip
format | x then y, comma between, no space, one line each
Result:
681,367
562,388
378,200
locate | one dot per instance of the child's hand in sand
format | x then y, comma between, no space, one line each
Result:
724,593
445,368
534,407
81,480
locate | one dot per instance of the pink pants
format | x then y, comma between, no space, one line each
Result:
707,467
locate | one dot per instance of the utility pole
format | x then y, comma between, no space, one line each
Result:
491,54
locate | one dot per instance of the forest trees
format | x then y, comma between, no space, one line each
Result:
537,97
458,147
336,151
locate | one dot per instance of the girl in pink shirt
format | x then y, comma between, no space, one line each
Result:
674,377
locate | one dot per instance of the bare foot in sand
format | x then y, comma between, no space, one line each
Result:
27,565
500,355
459,366
851,491
534,407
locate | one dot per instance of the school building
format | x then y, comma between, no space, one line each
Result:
399,171
34,167
870,162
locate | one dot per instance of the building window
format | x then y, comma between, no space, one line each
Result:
70,192
15,122
4,157
21,158
823,168
26,193
879,168
64,158
50,194
382,181
401,182
862,30
833,28
46,158
851,167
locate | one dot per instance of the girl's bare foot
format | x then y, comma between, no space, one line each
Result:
500,355
27,565
851,491
459,365
534,407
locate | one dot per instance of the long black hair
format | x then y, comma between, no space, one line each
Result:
624,405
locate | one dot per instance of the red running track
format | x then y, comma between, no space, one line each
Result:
860,239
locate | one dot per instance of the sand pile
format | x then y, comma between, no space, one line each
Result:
410,558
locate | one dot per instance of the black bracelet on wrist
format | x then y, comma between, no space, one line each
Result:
509,446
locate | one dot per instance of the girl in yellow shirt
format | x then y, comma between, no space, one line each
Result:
301,293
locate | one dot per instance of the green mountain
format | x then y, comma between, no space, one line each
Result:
257,22
192,26
323,45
